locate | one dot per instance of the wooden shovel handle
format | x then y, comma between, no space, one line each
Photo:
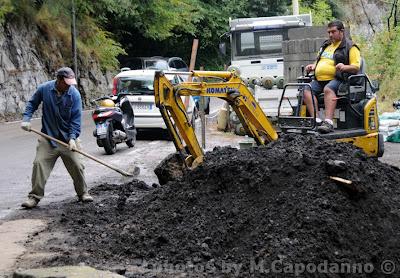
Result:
84,154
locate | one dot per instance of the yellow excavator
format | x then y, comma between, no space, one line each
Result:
362,129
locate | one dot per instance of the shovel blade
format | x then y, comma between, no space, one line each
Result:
129,175
134,172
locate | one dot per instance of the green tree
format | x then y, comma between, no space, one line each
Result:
320,9
209,19
5,8
382,64
215,18
142,28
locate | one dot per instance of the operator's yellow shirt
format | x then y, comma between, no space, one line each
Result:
325,70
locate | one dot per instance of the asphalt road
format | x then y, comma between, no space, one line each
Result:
17,149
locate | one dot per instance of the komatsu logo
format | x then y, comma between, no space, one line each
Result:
218,90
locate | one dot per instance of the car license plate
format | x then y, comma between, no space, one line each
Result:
142,106
101,128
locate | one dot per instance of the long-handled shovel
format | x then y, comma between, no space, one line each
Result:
135,172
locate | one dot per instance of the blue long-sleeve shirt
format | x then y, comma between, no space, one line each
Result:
61,117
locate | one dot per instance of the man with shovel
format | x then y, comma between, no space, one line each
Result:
61,119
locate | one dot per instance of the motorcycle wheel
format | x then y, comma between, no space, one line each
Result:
108,143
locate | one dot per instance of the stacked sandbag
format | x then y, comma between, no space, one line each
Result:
389,126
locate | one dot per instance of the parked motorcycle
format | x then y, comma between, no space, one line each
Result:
114,120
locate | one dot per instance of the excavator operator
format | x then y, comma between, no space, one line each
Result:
338,57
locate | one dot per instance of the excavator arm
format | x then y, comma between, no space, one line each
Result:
225,85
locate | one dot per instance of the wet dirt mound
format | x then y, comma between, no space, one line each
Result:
247,212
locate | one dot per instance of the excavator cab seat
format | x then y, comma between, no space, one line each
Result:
353,88
352,96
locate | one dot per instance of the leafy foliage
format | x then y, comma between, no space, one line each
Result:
53,17
259,8
320,9
102,46
5,8
143,27
106,28
207,20
382,64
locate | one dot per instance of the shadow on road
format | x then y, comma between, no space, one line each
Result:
153,134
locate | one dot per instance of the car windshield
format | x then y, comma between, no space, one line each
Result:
156,64
140,85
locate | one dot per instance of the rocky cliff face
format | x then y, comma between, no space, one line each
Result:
23,66
365,17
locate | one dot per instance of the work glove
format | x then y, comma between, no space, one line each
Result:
72,144
26,126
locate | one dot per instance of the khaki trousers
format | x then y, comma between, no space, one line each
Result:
46,157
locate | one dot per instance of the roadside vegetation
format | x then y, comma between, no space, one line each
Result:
381,55
109,29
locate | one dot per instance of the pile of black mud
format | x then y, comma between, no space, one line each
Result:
248,212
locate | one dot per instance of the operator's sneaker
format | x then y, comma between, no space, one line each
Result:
86,198
30,203
325,127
